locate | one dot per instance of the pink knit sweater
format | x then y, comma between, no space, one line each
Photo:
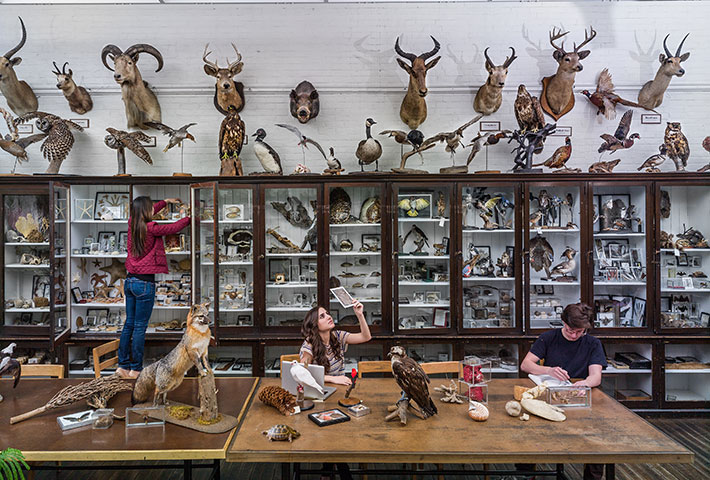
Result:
153,259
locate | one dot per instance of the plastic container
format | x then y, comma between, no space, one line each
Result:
145,417
477,392
359,410
475,371
568,396
103,418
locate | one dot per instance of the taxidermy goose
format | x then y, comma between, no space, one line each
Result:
303,377
368,150
568,265
267,156
9,365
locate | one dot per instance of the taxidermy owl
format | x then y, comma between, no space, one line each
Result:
677,147
59,141
120,140
231,140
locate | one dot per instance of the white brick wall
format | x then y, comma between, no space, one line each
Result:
346,51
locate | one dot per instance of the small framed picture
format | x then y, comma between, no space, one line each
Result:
695,261
441,317
414,205
107,241
114,205
548,289
279,266
682,260
90,320
233,212
83,208
328,417
639,318
76,295
445,243
704,319
687,282
95,248
539,289
433,297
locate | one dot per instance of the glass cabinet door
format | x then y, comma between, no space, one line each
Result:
619,252
488,254
60,276
355,250
552,253
204,233
291,236
684,256
422,232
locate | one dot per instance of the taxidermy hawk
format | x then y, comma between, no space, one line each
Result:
59,140
231,140
528,111
412,380
677,147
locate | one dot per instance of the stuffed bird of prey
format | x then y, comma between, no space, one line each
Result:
412,380
541,254
8,365
176,136
303,377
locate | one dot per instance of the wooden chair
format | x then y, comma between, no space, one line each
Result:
433,368
288,358
42,370
373,366
100,351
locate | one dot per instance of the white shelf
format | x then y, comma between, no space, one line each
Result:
274,255
60,221
685,396
626,370
291,285
686,250
102,222
618,234
488,279
345,225
534,230
356,254
423,284
693,290
171,307
422,257
227,310
620,284
224,264
177,253
481,230
288,309
167,221
23,266
369,300
33,310
88,255
26,244
421,220
571,284
225,222
423,305
687,370
99,305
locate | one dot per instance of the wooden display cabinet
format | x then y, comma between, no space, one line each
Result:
685,374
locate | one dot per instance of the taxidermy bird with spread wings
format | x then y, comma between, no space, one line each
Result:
303,377
59,140
621,139
13,144
119,140
176,136
453,138
412,380
605,99
303,140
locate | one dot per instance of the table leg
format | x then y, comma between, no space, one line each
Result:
560,472
285,471
216,471
187,470
610,471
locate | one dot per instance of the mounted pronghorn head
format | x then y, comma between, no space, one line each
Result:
498,73
227,91
569,61
413,110
64,78
490,96
651,95
20,97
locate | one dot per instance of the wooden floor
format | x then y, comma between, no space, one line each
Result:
693,433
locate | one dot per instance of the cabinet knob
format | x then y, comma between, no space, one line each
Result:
261,256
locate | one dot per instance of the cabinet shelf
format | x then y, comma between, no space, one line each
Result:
553,230
291,285
227,310
32,310
224,264
676,371
556,284
488,279
177,253
26,244
355,254
627,370
98,305
423,284
684,396
618,235
424,305
288,309
171,307
346,225
671,250
692,290
422,220
22,266
619,284
480,230
423,257
102,222
276,255
366,300
88,255
228,222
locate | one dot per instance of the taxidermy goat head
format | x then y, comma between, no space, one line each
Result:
141,103
226,91
557,96
413,110
490,95
20,97
78,98
305,104
651,94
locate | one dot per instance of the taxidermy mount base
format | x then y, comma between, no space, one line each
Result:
546,106
373,172
409,171
348,402
181,174
263,174
454,169
487,171
336,171
224,424
529,170
304,174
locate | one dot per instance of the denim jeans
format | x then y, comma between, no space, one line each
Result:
140,297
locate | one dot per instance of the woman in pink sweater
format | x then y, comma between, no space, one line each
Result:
146,257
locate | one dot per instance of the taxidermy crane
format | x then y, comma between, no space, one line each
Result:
79,99
176,136
490,96
651,94
18,94
13,144
413,111
605,99
621,139
59,140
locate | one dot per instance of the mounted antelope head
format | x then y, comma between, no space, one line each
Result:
557,96
490,95
227,92
20,97
651,94
78,98
413,110
141,103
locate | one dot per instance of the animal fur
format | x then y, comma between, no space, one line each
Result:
19,95
413,111
304,102
79,99
227,91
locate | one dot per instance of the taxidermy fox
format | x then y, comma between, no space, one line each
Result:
167,374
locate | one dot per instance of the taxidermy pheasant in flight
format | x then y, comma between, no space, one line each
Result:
605,99
621,139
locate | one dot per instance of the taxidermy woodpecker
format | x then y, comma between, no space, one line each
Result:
303,377
267,156
8,365
368,150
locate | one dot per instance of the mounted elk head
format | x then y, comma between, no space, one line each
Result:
304,103
413,110
78,98
651,94
557,96
490,95
226,91
141,103
20,97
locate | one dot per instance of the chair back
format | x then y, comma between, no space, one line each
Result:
432,368
288,358
373,366
100,351
42,370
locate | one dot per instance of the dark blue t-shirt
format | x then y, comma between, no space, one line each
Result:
575,357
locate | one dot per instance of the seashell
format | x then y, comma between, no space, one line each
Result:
346,245
12,236
357,285
524,417
375,274
513,408
229,287
477,411
370,212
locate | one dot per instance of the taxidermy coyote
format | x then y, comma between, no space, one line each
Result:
166,374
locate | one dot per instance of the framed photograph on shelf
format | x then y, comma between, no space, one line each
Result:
607,313
618,249
115,205
626,310
107,241
280,266
441,317
639,318
40,285
704,319
695,261
682,260
76,295
414,205
83,209
372,242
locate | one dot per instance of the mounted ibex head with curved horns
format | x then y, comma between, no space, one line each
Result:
20,97
651,94
141,103
78,98
226,91
413,110
490,96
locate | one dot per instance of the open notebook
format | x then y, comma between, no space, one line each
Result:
549,379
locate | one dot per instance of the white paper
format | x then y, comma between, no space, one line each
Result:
549,379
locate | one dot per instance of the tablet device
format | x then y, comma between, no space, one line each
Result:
328,417
345,299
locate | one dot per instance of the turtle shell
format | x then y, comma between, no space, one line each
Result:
371,211
340,206
281,432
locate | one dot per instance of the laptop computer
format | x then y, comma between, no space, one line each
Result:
318,372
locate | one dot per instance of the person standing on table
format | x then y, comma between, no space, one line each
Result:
568,353
146,257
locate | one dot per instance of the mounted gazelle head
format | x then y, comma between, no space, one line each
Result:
20,97
64,78
490,96
670,64
569,61
227,91
413,111
651,94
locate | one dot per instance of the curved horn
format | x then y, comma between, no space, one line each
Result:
64,72
110,49
56,69
13,51
510,59
488,59
433,51
145,48
680,47
668,52
402,53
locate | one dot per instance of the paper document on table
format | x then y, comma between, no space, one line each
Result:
549,379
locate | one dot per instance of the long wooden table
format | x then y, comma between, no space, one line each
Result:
40,439
608,433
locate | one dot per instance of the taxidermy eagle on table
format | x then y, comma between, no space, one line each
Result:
412,380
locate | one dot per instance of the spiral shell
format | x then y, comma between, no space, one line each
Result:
477,411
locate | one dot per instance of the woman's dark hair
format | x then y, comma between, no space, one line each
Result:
141,214
310,332
578,315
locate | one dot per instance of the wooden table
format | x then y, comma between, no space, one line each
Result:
40,439
608,433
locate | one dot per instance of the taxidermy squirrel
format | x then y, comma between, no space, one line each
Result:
167,374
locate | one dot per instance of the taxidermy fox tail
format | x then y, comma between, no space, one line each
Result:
144,388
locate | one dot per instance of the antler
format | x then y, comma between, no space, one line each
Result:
134,50
433,51
587,38
677,52
204,59
13,51
409,56
509,60
556,35
239,58
112,50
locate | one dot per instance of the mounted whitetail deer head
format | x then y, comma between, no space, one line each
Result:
226,91
20,97
651,94
490,96
413,110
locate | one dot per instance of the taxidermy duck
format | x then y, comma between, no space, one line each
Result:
560,157
621,139
267,156
605,99
176,136
654,161
368,150
604,167
568,265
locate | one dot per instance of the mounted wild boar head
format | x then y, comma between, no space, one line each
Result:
304,102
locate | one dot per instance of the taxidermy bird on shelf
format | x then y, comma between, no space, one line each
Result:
8,365
420,239
528,111
412,206
368,150
541,254
604,167
605,99
621,139
559,158
412,380
654,161
13,144
677,146
59,140
334,166
303,142
120,140
567,266
269,159
706,146
415,138
231,140
176,136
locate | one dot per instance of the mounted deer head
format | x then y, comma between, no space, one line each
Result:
557,96
651,94
78,98
413,110
490,96
141,103
20,97
227,92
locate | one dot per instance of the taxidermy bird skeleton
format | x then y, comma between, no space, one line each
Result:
303,377
120,140
420,238
303,141
13,144
59,140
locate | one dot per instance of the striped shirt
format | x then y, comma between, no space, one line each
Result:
337,365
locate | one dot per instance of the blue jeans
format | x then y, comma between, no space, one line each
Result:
140,297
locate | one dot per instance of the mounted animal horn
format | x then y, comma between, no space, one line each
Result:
433,51
13,51
138,48
680,47
510,59
112,50
409,56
